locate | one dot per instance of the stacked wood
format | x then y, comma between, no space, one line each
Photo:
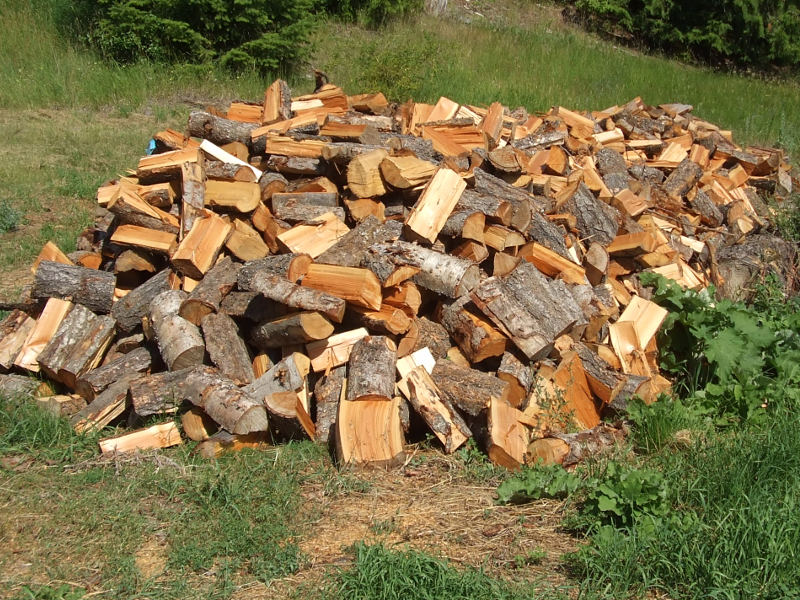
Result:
341,261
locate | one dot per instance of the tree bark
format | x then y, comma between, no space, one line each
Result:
596,220
519,377
218,130
371,369
95,381
179,341
327,393
297,328
351,249
129,310
475,336
468,390
90,287
227,349
206,298
285,292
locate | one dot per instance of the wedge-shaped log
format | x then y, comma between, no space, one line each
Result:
328,393
227,349
519,377
315,237
476,337
597,221
77,346
335,351
163,435
277,103
240,196
206,298
107,406
281,290
143,237
296,328
14,330
356,285
435,204
405,172
438,272
129,310
466,224
508,438
199,249
93,382
90,287
389,319
551,263
438,413
131,209
369,433
364,174
575,391
179,341
469,390
371,369
48,323
165,166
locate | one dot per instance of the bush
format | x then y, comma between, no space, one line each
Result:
757,33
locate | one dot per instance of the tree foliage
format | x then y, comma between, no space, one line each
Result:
747,33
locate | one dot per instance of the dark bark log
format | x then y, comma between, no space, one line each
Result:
18,385
548,234
284,291
597,221
327,393
129,310
522,203
297,328
90,287
223,171
288,266
95,381
682,179
709,213
161,392
519,377
467,389
251,306
232,407
351,249
78,345
495,208
209,293
293,212
227,349
107,406
475,336
270,184
371,369
433,336
218,130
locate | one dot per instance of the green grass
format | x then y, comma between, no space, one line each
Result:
207,526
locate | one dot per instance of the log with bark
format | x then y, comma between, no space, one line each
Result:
90,287
179,341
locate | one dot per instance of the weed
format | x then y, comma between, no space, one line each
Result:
539,481
656,425
533,557
10,218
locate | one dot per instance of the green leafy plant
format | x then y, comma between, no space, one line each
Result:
539,481
10,218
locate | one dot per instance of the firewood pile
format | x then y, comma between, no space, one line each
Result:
359,273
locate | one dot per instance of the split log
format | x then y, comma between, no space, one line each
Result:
197,425
370,369
405,172
281,290
223,171
297,328
682,179
18,386
547,234
130,209
288,266
277,103
95,381
519,377
495,209
14,330
223,442
55,311
553,264
438,272
107,406
164,435
508,438
370,433
435,205
328,392
219,130
166,166
433,336
179,341
475,336
388,319
199,249
193,186
596,220
315,237
575,392
94,289
467,389
595,262
209,293
241,196
227,349
251,306
292,209
128,311
364,174
355,285
568,449
438,413
77,347
135,259
163,392
283,391
142,237
521,202
62,405
351,249
50,252
334,351
405,296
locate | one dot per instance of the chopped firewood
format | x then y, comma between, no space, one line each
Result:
356,285
476,337
574,391
197,425
370,369
369,433
90,287
55,311
245,243
315,237
334,351
14,330
467,389
195,255
632,244
223,441
52,253
129,310
508,438
164,167
297,328
193,194
553,264
518,376
328,393
435,205
282,389
405,296
179,341
240,196
288,266
364,174
388,319
472,251
226,348
232,407
143,237
92,383
405,172
156,436
107,406
206,297
218,130
277,103
62,405
281,290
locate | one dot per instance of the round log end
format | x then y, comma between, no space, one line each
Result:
190,357
550,451
469,281
255,419
316,326
194,310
